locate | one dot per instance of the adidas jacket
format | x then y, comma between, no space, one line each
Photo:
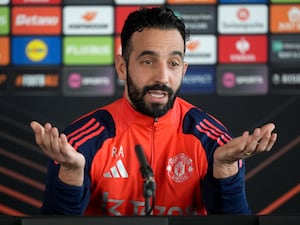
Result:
179,147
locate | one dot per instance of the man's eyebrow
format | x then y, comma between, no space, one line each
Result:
149,52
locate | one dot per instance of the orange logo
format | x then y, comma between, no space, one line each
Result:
192,45
36,20
4,51
285,18
89,16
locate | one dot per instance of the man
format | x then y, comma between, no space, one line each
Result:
198,166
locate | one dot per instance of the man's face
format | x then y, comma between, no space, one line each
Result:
155,70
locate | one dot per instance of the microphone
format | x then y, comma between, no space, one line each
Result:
145,169
149,182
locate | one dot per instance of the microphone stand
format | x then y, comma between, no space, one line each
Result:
149,192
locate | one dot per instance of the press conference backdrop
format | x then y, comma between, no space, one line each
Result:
57,62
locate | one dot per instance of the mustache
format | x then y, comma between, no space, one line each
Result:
159,87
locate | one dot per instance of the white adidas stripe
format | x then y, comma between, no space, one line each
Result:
117,171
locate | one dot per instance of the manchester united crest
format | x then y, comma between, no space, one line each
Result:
180,168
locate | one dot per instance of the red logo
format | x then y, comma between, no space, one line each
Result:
243,14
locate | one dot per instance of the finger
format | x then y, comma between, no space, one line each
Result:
47,137
39,133
55,141
271,142
253,140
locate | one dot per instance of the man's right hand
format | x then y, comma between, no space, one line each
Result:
57,148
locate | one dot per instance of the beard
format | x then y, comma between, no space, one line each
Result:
137,95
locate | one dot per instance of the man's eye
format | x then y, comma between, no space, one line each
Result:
174,64
147,61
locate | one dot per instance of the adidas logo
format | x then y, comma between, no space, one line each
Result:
117,171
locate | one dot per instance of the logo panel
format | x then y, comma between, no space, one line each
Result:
42,81
242,49
198,80
242,19
36,20
88,20
285,80
242,80
285,18
201,49
198,19
285,49
40,2
4,20
191,1
36,50
89,81
4,50
88,50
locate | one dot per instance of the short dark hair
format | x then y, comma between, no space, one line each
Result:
158,17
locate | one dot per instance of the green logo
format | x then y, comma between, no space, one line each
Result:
277,46
4,20
88,50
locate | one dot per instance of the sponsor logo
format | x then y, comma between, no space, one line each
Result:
242,19
142,2
285,49
180,168
201,49
198,19
4,20
88,50
36,20
45,81
242,49
243,1
198,79
191,1
117,171
285,18
40,2
36,50
88,20
4,50
4,2
242,80
284,1
88,2
98,81
285,80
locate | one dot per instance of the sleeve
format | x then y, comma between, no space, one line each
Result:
63,199
225,196
220,196
86,135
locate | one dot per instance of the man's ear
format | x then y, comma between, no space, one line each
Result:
120,66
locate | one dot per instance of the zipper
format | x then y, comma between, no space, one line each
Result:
152,156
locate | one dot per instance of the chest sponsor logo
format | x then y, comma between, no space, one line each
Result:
242,19
180,168
242,49
285,18
36,20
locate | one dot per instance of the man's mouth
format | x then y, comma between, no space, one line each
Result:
158,93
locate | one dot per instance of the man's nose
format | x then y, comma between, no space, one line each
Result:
162,74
